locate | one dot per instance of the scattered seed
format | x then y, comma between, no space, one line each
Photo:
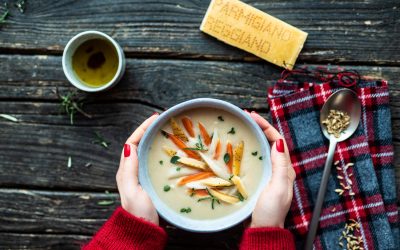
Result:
333,209
340,177
88,164
338,168
347,188
336,162
352,193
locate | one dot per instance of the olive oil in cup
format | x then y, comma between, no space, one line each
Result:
93,61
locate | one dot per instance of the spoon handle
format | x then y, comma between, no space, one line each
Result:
312,231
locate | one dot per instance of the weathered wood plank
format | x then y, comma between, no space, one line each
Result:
44,139
160,83
66,213
339,31
15,241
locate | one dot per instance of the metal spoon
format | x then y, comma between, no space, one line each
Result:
343,100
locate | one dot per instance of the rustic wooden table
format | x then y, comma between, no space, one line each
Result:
45,204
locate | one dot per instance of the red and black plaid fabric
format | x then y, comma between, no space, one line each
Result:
371,199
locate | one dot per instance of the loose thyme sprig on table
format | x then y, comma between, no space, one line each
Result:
4,16
100,140
71,105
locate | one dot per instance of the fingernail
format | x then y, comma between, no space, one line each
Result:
127,150
254,112
155,113
245,110
280,146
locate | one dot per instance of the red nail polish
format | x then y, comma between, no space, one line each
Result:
245,110
280,146
155,113
127,150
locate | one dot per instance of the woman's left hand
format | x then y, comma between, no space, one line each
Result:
133,198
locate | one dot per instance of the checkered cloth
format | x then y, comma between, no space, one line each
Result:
295,108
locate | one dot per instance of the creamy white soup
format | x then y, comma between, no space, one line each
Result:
205,163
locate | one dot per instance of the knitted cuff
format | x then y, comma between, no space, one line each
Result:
125,231
267,238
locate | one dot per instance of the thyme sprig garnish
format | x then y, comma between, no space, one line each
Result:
211,197
71,105
199,146
100,140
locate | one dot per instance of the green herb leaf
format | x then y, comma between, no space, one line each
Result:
186,210
100,140
232,131
167,188
240,196
220,118
204,198
105,203
71,106
9,117
178,169
260,158
175,159
3,17
230,178
161,162
227,158
254,153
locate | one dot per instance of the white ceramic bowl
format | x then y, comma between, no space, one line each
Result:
70,49
172,216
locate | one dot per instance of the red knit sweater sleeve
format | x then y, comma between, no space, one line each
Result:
125,231
267,238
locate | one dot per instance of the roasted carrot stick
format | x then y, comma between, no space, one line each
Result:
180,144
229,151
217,150
195,177
187,123
204,134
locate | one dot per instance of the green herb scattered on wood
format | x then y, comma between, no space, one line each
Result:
167,188
4,16
9,117
71,106
186,210
20,5
100,140
232,131
254,153
221,118
174,159
227,158
105,203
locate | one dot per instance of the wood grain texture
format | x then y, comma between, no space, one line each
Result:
339,31
74,216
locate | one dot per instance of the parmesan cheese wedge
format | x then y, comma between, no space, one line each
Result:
224,197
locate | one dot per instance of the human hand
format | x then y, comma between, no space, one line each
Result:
274,201
133,198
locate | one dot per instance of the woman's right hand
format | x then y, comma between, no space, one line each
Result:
274,202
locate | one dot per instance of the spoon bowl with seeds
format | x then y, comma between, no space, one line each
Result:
339,119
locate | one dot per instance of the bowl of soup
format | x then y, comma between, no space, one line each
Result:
204,162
